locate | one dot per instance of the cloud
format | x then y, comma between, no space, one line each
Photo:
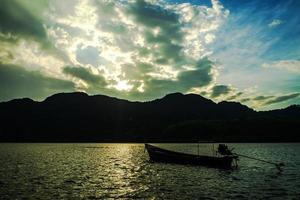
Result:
288,65
275,23
235,97
85,75
262,98
24,35
16,20
162,29
266,102
283,98
141,48
219,90
156,35
244,100
16,82
201,76
194,78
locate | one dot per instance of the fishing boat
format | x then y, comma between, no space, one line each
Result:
157,154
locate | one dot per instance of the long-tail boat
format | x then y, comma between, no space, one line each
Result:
158,154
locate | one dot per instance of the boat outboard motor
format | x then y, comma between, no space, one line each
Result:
223,150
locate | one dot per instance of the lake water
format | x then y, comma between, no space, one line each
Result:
101,171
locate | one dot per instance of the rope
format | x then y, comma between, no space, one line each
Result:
278,165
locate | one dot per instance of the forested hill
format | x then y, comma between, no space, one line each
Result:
78,117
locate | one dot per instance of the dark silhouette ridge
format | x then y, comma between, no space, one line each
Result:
78,117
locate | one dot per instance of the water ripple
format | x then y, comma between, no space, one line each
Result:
101,171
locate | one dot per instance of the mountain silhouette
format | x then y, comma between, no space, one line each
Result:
78,117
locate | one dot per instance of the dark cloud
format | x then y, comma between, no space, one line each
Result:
169,35
219,90
172,52
194,78
235,96
245,100
85,75
156,88
153,15
262,98
280,99
16,82
203,93
199,77
161,61
138,70
15,19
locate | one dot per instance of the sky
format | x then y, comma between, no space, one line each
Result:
224,50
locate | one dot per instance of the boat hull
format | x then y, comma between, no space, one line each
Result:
157,154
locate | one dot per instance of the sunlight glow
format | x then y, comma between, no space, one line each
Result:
123,86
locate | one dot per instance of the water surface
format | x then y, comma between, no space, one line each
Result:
100,171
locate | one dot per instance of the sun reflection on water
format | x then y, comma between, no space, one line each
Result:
123,170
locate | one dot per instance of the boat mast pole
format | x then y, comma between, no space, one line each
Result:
198,148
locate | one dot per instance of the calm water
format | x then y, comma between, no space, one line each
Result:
100,171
